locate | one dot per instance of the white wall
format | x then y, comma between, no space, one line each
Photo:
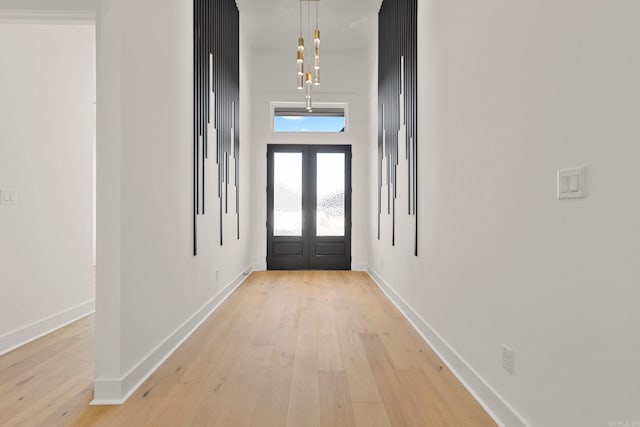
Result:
151,290
46,146
343,80
509,93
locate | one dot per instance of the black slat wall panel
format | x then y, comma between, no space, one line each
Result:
397,45
216,64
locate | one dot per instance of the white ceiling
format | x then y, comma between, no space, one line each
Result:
344,24
271,24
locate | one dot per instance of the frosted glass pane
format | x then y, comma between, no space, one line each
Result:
330,191
287,194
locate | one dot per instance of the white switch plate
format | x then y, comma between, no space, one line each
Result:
571,183
507,358
9,197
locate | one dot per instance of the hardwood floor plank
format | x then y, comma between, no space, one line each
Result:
370,414
273,404
388,383
329,352
421,402
362,383
336,408
247,388
304,404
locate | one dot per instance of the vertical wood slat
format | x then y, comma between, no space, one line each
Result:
414,110
201,38
195,122
203,108
397,38
198,104
216,36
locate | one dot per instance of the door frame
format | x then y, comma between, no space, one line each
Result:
310,242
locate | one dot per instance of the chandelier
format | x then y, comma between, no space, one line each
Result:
308,78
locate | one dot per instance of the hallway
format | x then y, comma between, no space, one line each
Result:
287,348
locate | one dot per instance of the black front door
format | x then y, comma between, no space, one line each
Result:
309,207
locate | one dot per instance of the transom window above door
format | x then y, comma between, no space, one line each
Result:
329,118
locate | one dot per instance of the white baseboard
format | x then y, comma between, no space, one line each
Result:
26,334
115,391
259,266
359,267
501,412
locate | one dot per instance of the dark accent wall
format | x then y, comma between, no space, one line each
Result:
215,98
397,76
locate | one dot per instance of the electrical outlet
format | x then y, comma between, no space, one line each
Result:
381,263
507,358
217,274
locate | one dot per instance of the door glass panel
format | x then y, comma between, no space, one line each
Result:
330,194
287,194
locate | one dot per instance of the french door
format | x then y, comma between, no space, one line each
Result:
309,207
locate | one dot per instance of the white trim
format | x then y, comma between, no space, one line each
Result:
115,391
359,267
40,328
71,17
501,412
259,266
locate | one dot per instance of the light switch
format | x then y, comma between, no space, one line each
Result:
571,183
574,181
9,198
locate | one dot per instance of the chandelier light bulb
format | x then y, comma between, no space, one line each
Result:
300,64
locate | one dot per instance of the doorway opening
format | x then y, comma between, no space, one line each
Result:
308,207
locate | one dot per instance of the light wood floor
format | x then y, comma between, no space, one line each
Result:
286,349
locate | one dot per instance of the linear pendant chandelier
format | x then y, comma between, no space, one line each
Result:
308,78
